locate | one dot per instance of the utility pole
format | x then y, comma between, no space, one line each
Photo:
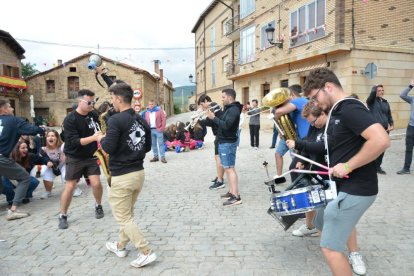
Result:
182,100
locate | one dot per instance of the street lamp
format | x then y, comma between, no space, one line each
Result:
190,78
270,31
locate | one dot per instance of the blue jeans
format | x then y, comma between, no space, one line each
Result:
227,153
274,138
157,143
8,188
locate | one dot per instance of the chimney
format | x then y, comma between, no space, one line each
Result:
157,66
59,62
162,75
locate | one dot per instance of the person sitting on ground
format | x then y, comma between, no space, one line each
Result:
27,160
169,136
182,138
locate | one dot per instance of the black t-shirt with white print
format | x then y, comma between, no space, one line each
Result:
348,120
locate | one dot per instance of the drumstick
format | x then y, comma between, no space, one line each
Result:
309,160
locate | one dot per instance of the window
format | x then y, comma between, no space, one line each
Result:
113,78
284,83
213,39
264,43
247,45
50,86
224,27
72,69
307,23
265,89
11,71
246,7
213,72
73,87
224,63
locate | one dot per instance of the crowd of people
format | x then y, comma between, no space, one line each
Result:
331,127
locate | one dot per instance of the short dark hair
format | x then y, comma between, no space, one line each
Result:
3,103
354,96
317,79
85,92
229,92
295,89
255,101
123,90
203,98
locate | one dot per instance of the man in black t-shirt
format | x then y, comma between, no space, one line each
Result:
354,141
81,136
128,139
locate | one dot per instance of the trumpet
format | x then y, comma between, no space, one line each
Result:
200,115
262,109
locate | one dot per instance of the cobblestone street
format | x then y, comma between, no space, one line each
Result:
193,234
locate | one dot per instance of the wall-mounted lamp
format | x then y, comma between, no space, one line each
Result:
270,31
190,78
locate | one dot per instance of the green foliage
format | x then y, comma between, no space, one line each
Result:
177,109
28,69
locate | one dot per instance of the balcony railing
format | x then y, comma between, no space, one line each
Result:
232,28
232,68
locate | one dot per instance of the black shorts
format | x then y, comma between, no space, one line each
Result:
216,146
76,168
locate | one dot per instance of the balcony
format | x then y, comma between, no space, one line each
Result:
232,28
232,68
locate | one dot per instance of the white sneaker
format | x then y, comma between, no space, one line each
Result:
256,148
113,247
77,192
46,195
144,259
12,215
304,231
358,265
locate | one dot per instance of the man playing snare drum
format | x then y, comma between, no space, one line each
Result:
355,140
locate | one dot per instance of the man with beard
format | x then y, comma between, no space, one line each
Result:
81,136
354,141
228,125
127,140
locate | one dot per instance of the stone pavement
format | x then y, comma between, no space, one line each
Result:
193,234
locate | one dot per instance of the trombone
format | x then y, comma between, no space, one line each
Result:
262,109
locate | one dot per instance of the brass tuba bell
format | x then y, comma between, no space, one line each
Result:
277,97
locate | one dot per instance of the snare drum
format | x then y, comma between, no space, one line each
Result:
298,200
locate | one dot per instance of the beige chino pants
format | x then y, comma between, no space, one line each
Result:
123,194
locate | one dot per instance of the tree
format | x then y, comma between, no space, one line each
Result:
28,69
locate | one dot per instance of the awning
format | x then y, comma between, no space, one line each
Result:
308,68
12,82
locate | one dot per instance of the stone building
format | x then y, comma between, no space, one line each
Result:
363,42
12,86
55,90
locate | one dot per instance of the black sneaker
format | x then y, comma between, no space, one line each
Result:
99,213
233,201
403,171
214,180
63,222
381,171
227,195
217,185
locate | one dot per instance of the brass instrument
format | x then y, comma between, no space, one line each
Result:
200,115
262,109
284,125
100,153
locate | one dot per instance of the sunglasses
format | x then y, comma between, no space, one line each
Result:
88,102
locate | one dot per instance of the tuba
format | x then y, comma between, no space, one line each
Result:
284,125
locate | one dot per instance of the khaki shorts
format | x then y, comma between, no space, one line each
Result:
76,168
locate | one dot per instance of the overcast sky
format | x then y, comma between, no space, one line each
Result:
120,24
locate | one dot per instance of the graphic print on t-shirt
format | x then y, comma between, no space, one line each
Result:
136,140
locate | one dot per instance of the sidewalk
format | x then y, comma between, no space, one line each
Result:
193,234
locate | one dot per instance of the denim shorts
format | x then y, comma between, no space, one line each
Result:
339,218
282,148
227,152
